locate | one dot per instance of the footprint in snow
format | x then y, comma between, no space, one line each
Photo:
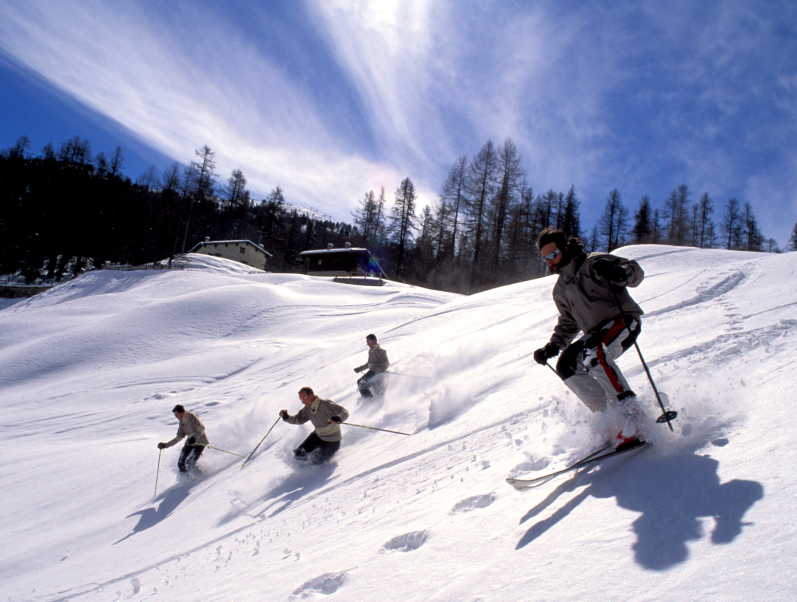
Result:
326,584
407,542
472,503
527,467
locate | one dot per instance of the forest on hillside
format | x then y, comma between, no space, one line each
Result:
66,211
481,231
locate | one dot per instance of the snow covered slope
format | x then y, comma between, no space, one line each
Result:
90,371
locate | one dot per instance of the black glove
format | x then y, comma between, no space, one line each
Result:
191,440
541,355
335,419
284,414
359,369
161,445
609,271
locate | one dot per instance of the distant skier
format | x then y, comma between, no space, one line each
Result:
326,417
190,426
377,363
586,294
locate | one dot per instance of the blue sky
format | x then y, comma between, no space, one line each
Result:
329,98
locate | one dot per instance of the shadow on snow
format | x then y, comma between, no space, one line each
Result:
672,493
307,480
149,517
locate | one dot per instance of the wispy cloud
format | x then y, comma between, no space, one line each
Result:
330,98
183,81
440,78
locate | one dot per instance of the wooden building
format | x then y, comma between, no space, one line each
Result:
350,265
242,251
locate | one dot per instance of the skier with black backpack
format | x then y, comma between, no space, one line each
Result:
592,298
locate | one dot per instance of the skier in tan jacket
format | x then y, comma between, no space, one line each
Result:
326,417
377,363
190,426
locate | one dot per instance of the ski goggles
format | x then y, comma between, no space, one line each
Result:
552,255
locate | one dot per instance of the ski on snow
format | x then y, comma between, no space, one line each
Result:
595,456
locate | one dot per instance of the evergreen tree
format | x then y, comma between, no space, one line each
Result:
705,207
571,218
732,225
270,223
613,223
423,261
480,186
677,210
21,148
548,205
149,179
655,236
753,237
48,153
171,177
310,239
203,176
510,176
365,217
792,246
454,199
74,151
594,241
380,223
403,222
115,163
236,191
643,222
516,241
439,243
101,161
442,241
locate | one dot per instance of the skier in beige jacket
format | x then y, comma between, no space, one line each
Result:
377,363
326,417
190,426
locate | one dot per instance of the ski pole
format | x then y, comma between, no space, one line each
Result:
261,441
221,450
410,375
157,474
668,415
373,428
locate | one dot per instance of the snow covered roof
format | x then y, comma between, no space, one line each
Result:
327,251
231,242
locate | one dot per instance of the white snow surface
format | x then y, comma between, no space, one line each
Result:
90,370
311,213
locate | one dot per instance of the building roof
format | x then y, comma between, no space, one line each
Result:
334,250
232,242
